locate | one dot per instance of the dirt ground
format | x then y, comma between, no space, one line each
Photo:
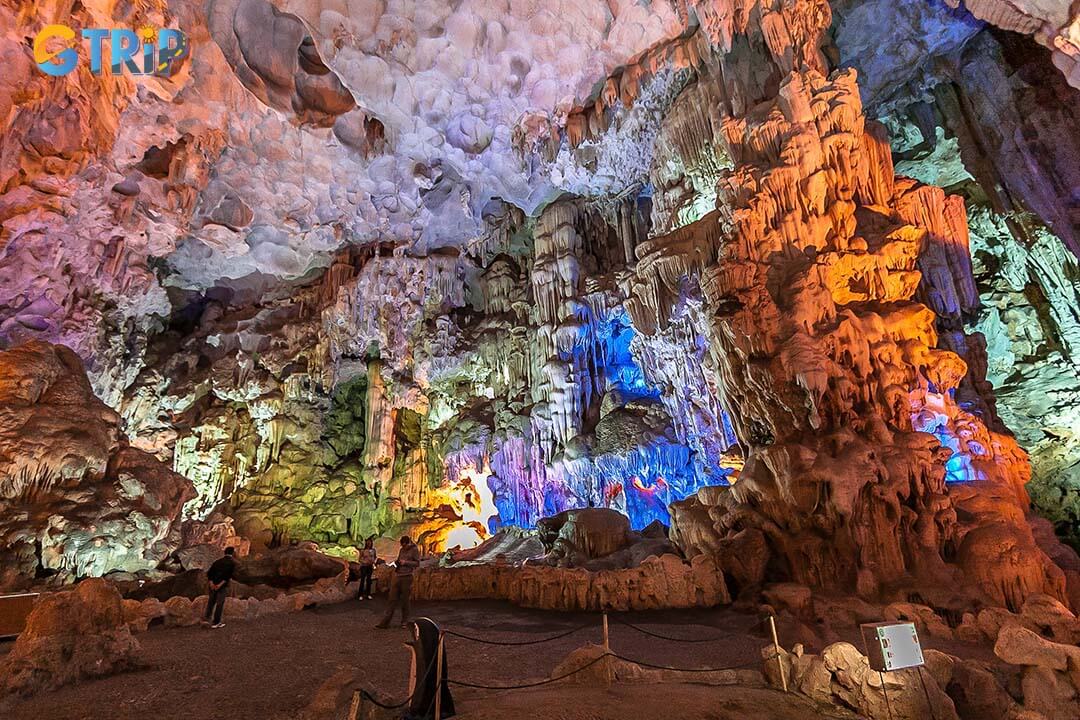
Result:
272,668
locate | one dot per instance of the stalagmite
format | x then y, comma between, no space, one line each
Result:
627,304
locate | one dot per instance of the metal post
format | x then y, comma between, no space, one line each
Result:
881,676
439,677
776,646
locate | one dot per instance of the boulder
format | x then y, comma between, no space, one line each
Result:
70,636
575,536
1049,693
182,611
140,615
289,567
1047,615
1019,646
841,675
977,693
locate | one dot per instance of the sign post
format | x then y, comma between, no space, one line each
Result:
894,646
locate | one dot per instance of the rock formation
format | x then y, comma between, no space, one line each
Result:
75,499
656,582
841,675
70,636
452,270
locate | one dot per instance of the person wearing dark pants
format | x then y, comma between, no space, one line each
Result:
367,569
218,576
408,560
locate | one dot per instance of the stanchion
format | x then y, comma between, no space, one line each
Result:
776,646
608,673
439,677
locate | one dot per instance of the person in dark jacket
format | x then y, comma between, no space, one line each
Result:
367,558
408,560
219,575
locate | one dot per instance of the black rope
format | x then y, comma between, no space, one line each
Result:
518,643
533,684
743,666
885,692
592,662
643,631
419,684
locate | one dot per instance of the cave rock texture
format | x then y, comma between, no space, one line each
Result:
795,279
78,500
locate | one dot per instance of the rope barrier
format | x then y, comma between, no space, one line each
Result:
743,666
548,681
409,699
584,667
643,631
514,643
607,653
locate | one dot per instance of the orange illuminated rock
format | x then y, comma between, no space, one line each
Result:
70,636
830,365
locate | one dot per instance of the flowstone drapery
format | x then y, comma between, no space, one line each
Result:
449,269
862,470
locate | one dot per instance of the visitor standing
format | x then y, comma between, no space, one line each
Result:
367,569
408,560
219,575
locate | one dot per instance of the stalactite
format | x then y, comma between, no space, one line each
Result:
792,294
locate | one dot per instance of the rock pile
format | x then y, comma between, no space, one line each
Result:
70,636
1037,678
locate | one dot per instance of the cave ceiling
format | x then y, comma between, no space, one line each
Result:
363,262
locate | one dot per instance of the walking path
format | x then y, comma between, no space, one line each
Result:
277,667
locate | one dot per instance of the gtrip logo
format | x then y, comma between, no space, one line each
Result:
150,51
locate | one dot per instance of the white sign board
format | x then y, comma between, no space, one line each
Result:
892,646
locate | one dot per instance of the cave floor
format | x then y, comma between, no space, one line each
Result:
284,666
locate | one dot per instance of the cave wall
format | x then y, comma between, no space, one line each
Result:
989,116
445,269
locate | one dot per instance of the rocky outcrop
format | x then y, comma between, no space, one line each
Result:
445,270
658,582
75,499
1050,679
853,256
70,636
995,109
841,675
